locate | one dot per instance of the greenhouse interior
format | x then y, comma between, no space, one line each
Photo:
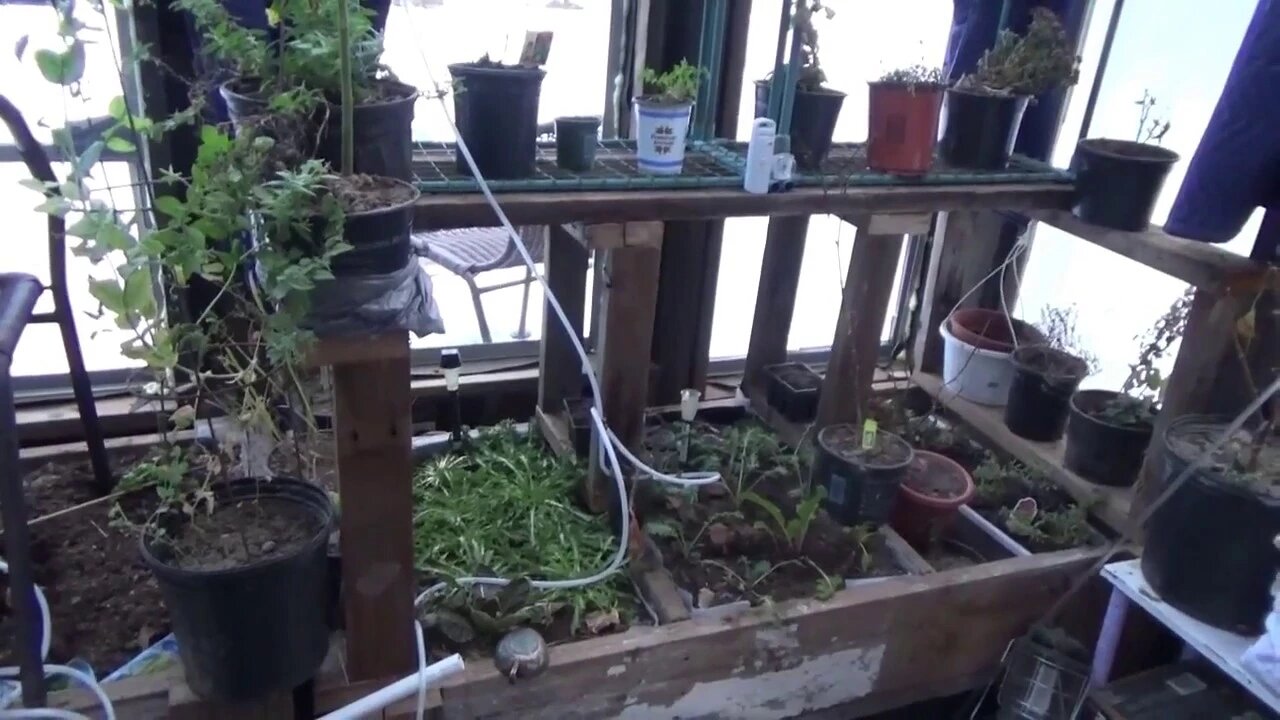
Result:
644,359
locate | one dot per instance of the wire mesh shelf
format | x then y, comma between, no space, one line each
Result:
707,164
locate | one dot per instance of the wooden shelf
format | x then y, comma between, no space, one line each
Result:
1109,504
1200,264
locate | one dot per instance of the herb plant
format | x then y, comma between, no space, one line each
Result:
676,86
1136,405
1030,64
811,77
914,75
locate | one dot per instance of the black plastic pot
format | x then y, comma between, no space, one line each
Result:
496,109
979,131
1118,182
813,122
1209,548
1099,451
792,389
383,133
858,491
243,99
576,139
380,240
1044,379
578,410
256,629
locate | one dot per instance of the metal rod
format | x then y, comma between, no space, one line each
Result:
1098,75
789,84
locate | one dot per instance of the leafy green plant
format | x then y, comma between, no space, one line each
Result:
1137,403
811,75
1058,324
827,585
792,530
677,85
1031,64
862,536
1065,527
996,481
914,75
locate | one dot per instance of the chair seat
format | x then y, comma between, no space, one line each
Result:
474,250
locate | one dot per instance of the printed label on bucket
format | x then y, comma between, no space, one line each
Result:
835,493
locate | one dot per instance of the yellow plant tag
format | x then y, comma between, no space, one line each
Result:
869,429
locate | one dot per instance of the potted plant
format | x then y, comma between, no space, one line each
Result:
576,140
289,82
860,471
902,126
977,344
816,107
932,490
662,118
1230,505
1108,432
1044,378
496,109
984,110
792,389
1119,181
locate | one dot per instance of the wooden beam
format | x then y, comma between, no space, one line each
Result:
775,296
686,305
855,349
628,302
449,210
560,366
373,436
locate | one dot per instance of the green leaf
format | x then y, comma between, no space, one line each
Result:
55,205
86,227
171,206
137,292
120,145
114,237
109,293
89,158
183,417
656,528
33,184
62,68
118,108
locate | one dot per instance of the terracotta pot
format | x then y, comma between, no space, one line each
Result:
989,330
929,498
902,127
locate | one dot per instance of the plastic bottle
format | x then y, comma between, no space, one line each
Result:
759,170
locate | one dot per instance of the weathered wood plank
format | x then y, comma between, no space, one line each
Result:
447,210
686,306
560,367
855,349
775,296
373,437
873,641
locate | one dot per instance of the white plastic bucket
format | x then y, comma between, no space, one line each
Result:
977,375
661,130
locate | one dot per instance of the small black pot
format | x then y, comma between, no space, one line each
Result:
496,109
576,139
1099,451
1118,182
978,130
1209,550
578,411
857,491
1044,379
813,122
383,133
380,240
244,99
792,389
256,629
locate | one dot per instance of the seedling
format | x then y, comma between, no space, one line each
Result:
677,85
791,530
914,75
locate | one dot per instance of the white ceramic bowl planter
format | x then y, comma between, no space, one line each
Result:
661,129
977,375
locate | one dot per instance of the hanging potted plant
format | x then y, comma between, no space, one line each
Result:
861,471
902,127
1045,377
288,83
933,489
984,110
816,107
662,118
977,344
496,109
1119,181
1230,504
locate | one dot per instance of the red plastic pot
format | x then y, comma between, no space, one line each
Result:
989,330
902,127
929,498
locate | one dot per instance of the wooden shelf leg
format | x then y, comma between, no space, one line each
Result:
560,373
855,349
372,428
776,296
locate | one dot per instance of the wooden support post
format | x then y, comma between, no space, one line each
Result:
855,349
627,306
686,305
775,296
372,429
560,375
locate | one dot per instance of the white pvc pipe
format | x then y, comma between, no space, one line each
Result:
398,690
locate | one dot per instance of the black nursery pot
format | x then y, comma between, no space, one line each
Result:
979,131
1118,182
496,109
243,99
1209,550
578,411
1099,451
858,491
1044,379
383,133
247,631
576,139
813,122
380,240
792,389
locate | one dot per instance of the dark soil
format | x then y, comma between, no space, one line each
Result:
948,555
105,605
363,193
739,552
933,478
845,441
247,532
1053,364
1243,460
798,376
